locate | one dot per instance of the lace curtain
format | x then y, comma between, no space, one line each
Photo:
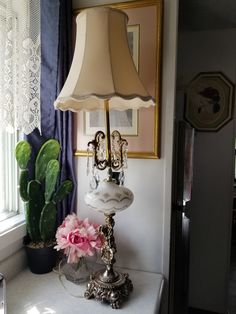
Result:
20,65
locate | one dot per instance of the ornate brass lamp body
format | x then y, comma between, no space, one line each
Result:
103,75
106,284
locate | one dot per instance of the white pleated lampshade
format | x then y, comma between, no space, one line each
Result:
102,66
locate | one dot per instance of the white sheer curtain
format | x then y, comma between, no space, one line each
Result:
19,65
19,89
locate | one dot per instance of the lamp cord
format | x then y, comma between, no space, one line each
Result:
61,275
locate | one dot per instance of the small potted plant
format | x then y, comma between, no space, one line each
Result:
41,196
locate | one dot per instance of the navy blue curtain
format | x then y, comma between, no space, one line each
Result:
56,55
64,120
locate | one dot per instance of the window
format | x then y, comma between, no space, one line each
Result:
9,196
20,58
19,92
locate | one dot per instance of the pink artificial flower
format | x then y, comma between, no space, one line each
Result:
78,238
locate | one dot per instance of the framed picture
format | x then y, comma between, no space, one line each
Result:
124,121
139,127
133,32
209,101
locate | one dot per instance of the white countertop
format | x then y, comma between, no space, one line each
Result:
28,293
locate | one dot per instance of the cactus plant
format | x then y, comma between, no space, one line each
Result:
40,194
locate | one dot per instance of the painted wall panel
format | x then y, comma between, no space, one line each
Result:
211,210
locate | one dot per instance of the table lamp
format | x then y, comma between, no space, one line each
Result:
103,77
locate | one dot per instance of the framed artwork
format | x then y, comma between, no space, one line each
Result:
209,101
124,121
139,127
133,32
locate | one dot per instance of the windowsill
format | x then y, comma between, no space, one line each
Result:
30,293
12,230
12,256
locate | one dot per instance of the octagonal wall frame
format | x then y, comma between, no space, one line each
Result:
209,101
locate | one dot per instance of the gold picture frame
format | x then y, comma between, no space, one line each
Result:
147,15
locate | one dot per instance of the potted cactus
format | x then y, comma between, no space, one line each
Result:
41,196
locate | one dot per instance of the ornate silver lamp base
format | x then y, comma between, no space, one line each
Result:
107,284
113,292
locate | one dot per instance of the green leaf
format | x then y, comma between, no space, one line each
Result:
49,150
22,153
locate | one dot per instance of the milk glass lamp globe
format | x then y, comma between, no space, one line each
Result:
109,198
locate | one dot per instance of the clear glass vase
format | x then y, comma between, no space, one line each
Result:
76,272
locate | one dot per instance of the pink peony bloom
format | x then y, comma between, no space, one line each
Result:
78,238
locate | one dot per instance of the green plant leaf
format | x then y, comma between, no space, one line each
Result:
49,150
22,153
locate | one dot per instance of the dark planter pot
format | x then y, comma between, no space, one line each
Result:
41,260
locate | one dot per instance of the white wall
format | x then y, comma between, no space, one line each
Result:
143,230
213,173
